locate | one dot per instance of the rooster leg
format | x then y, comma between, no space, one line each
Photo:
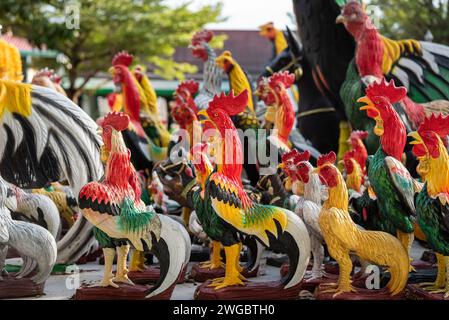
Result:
445,289
122,272
318,257
344,279
185,215
109,254
215,257
441,276
137,262
406,240
232,275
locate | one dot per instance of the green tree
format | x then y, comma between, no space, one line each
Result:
402,19
149,29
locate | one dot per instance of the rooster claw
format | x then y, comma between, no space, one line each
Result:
105,283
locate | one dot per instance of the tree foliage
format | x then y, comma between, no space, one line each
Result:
402,19
149,29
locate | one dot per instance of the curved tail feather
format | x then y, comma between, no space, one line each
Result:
171,250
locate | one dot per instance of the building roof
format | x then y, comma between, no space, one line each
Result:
248,48
26,48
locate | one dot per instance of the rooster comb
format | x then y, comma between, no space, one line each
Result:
190,85
122,58
386,89
45,72
302,156
286,78
436,123
329,158
118,120
231,104
359,134
202,36
289,155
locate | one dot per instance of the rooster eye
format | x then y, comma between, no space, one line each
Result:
215,114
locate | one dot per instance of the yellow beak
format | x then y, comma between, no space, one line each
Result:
205,116
111,70
340,19
368,104
415,135
281,166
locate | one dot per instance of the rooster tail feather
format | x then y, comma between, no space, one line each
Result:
386,250
296,242
171,250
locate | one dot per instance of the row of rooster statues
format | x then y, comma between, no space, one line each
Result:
361,169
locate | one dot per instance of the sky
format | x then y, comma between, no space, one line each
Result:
249,14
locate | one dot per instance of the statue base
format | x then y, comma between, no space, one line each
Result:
251,291
124,292
20,288
361,294
203,274
413,292
151,274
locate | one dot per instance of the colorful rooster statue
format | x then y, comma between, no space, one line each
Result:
268,31
354,173
356,143
185,110
224,189
143,149
390,180
342,235
151,122
419,66
273,92
113,205
432,201
212,74
297,166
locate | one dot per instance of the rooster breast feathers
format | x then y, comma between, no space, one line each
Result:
233,205
433,219
45,137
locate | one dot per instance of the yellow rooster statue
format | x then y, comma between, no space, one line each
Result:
343,237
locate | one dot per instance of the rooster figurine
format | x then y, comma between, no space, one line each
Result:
432,205
212,73
343,237
276,36
356,143
270,225
390,180
299,169
113,205
274,93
